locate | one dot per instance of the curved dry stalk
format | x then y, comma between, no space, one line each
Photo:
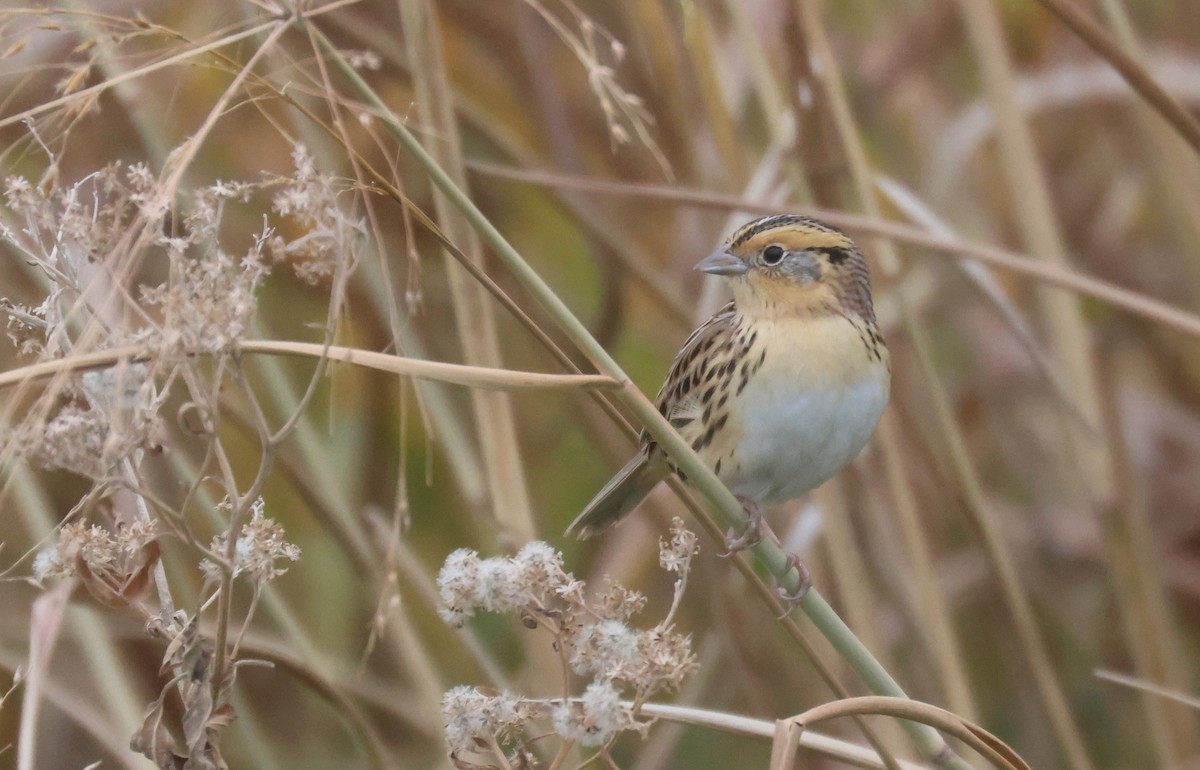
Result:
457,374
788,731
844,751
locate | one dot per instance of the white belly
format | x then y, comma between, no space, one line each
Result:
803,436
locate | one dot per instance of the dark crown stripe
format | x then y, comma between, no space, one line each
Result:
752,229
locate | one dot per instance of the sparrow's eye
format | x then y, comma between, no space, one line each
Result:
773,254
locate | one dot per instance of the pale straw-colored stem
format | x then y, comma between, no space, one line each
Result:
457,374
473,312
1152,629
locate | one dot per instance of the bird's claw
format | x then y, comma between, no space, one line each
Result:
793,598
756,527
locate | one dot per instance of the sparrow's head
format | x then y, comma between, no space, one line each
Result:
790,264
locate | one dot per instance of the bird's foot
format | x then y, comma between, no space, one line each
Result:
756,528
792,598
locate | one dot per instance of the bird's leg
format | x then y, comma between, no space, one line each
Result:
756,526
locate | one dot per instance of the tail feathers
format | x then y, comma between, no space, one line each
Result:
619,496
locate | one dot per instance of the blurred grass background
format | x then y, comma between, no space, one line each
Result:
1039,456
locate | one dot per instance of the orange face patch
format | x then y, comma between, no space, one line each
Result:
766,294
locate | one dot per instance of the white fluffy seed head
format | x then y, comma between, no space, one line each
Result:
595,717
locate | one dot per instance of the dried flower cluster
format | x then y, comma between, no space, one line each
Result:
532,578
115,414
75,439
123,265
329,236
94,548
209,300
68,232
118,219
473,715
114,565
675,555
259,549
592,636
